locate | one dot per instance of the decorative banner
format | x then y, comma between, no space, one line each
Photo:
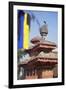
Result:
23,29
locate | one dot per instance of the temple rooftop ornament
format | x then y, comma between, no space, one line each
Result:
44,30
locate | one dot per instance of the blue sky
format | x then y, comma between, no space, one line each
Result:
51,19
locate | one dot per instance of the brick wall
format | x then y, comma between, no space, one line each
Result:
47,74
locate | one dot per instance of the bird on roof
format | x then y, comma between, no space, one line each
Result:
44,22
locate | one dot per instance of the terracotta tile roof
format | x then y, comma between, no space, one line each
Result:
37,38
41,40
48,57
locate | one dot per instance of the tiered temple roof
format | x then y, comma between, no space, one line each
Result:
38,39
41,44
44,52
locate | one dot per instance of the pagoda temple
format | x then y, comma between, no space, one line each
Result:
43,59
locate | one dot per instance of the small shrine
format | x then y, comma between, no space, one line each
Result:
43,58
